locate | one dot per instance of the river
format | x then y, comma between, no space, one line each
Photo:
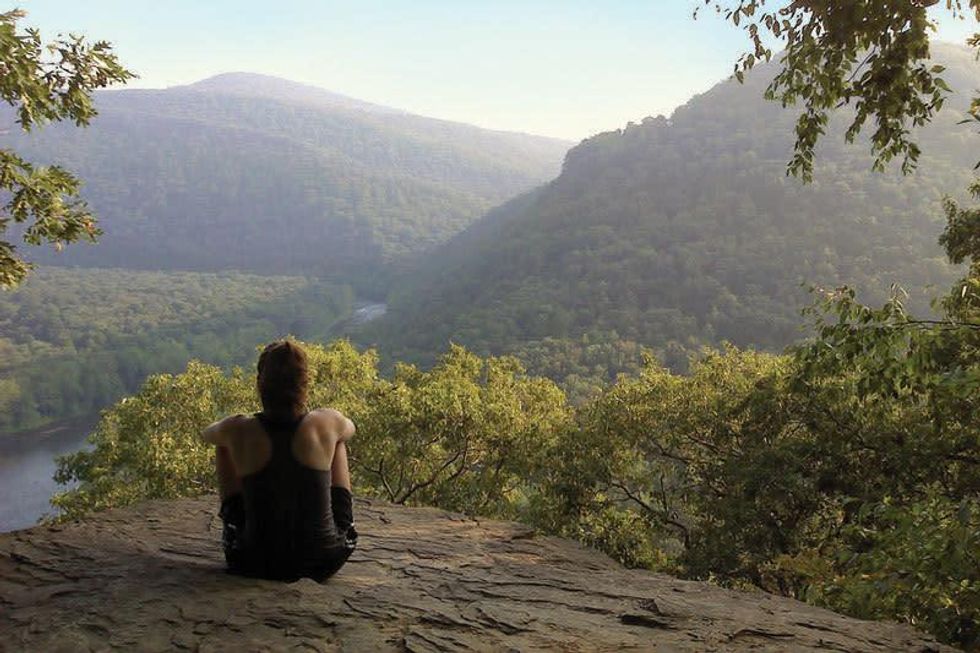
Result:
365,312
27,464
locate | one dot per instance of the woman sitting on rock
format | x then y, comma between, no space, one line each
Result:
283,478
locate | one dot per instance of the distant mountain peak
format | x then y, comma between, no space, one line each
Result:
250,84
236,77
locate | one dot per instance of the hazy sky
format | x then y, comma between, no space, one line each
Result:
562,68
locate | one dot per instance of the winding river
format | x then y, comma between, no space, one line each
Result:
27,465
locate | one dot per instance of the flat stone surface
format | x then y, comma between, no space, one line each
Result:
151,578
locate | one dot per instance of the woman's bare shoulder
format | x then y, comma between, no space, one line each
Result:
333,422
220,431
327,413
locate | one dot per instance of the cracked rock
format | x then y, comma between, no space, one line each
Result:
151,577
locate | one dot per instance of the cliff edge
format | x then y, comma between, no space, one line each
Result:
150,578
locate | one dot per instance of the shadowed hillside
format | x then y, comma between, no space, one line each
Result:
261,174
684,231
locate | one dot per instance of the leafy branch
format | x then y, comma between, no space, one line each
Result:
46,83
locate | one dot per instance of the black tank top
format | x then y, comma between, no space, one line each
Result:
289,525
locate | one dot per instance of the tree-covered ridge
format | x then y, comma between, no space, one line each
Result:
486,162
305,186
75,340
65,311
684,231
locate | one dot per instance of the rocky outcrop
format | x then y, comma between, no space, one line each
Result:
150,578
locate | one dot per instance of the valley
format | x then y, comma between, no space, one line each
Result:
723,324
272,208
28,458
259,174
235,210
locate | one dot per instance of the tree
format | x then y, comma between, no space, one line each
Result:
872,54
905,543
47,83
868,54
466,435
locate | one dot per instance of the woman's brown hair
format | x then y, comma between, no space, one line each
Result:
283,377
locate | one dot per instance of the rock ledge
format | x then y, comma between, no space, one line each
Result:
150,578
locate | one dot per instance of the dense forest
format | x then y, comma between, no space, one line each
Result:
72,341
264,175
685,231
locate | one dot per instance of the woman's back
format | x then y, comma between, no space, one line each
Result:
289,522
289,529
284,483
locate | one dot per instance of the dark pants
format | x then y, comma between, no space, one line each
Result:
232,515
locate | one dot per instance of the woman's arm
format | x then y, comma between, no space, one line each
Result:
219,434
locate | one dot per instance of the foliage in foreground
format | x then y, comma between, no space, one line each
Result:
465,435
774,471
45,83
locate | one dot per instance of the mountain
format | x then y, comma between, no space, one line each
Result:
685,231
261,174
254,85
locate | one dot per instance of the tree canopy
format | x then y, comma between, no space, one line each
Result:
45,83
803,475
872,55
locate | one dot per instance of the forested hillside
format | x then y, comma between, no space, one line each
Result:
259,174
684,231
74,340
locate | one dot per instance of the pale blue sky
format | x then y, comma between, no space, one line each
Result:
564,68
